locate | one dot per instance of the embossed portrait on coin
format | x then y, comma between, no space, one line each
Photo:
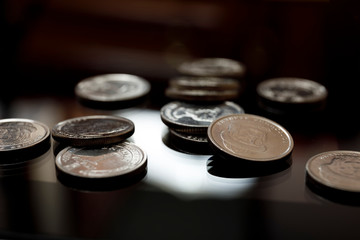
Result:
246,138
15,133
346,166
199,115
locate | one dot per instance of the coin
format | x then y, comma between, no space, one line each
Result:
249,137
212,67
111,89
22,138
93,130
201,95
336,169
108,164
204,83
195,118
280,93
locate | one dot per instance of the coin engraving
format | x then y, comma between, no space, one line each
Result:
250,137
102,162
21,133
336,169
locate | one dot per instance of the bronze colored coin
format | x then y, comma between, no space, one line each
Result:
111,89
250,137
292,90
93,130
195,118
204,83
200,95
212,67
108,161
22,138
336,169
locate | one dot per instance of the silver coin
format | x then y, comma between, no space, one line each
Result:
201,95
112,88
338,170
17,135
93,130
204,83
122,159
292,90
212,67
195,118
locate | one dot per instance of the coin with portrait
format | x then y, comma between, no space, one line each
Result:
93,130
195,118
249,137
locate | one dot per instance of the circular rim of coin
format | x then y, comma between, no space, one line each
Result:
127,167
192,128
85,91
201,95
314,168
65,131
27,149
319,91
204,83
248,145
204,67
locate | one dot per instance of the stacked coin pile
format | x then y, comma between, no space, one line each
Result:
291,96
112,91
97,155
20,141
200,96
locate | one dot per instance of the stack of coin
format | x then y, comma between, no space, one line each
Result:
250,139
285,96
335,175
97,155
112,91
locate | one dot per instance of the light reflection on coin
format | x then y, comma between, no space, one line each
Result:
17,135
250,137
93,130
110,88
336,169
201,95
209,83
195,118
106,162
213,67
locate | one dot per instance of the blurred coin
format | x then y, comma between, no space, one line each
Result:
106,165
249,137
111,90
336,169
212,67
22,138
290,94
195,118
204,83
93,130
200,95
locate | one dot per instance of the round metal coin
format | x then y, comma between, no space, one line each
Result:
201,95
209,83
195,118
249,137
93,130
292,90
124,159
212,67
336,169
20,137
110,88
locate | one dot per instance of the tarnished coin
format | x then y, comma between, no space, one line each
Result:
123,161
200,95
280,93
22,137
336,169
213,67
189,143
93,130
109,89
204,83
195,118
249,137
